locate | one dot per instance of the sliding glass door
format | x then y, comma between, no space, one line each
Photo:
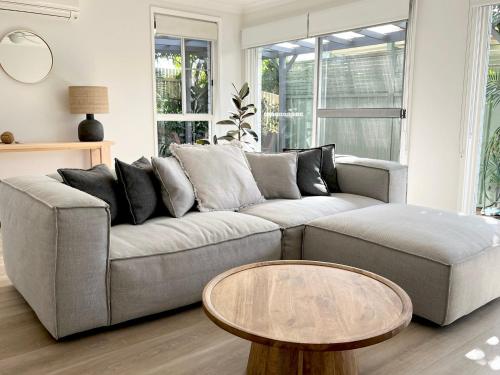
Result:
345,88
488,192
287,94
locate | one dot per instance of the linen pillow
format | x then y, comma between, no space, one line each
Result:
220,175
141,189
276,174
309,172
99,182
176,190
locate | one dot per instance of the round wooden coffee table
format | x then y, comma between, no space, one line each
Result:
306,317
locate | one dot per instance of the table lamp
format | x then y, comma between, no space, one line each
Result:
89,100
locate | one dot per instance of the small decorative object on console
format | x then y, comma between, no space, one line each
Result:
89,100
7,138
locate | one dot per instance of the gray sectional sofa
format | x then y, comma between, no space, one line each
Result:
78,272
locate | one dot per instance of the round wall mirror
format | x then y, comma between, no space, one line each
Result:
25,56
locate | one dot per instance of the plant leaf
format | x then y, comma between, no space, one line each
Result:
215,140
202,142
253,134
237,103
226,122
244,91
227,138
232,133
247,115
245,125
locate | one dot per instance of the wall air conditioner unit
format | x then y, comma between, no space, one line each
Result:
62,9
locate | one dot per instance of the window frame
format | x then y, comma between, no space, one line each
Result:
214,74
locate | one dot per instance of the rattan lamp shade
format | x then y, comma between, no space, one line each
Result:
88,99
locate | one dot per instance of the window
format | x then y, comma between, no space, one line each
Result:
344,88
287,95
183,80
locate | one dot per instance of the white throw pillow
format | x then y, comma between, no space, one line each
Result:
220,175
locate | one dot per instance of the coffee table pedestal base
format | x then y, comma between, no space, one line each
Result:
268,360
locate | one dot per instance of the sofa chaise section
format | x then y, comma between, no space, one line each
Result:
55,247
166,262
447,263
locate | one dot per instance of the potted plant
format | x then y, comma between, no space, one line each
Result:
242,132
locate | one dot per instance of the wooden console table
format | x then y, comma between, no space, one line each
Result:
99,152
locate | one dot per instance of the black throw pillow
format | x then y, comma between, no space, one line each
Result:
328,170
99,182
309,177
141,189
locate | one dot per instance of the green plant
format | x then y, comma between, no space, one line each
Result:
491,173
238,119
490,163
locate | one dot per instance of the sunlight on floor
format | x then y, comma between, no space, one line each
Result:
487,355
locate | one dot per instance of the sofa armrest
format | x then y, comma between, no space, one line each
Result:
378,179
55,247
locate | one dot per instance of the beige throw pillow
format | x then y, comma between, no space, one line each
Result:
220,175
276,174
176,190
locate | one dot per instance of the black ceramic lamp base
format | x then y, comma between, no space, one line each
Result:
90,130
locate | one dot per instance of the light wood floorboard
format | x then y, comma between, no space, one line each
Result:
185,342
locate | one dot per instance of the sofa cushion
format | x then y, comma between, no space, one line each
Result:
140,189
328,170
309,176
176,190
292,215
275,174
166,234
434,255
220,175
100,182
166,262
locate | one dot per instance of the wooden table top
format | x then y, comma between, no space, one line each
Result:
307,305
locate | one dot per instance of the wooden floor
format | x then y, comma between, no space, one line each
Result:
186,342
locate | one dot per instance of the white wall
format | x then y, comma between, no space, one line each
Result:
436,101
109,45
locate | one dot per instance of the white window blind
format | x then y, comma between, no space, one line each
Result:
185,27
356,15
283,30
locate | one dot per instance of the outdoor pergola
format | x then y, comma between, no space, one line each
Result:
338,41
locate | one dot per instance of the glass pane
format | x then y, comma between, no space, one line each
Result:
198,76
370,138
179,132
287,95
488,199
168,70
363,68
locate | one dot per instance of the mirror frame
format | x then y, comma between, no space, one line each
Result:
48,47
